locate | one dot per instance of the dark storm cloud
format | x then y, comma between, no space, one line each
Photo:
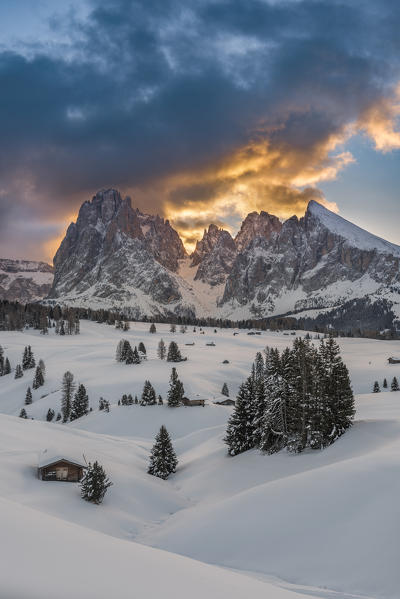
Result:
153,89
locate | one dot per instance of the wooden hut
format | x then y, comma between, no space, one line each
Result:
193,402
225,402
393,360
60,468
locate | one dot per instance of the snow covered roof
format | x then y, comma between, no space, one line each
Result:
48,457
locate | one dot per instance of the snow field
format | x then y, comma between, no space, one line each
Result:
325,519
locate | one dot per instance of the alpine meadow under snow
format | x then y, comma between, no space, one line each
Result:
319,523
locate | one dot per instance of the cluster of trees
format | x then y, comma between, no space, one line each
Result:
73,404
149,396
296,399
394,385
126,354
16,317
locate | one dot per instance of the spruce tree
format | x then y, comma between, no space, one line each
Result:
135,356
175,391
1,360
23,413
128,353
160,400
141,348
385,384
94,483
163,460
376,388
25,359
38,380
161,350
237,438
80,404
148,395
19,373
225,390
50,415
42,366
28,397
67,390
119,354
394,385
174,355
153,328
7,366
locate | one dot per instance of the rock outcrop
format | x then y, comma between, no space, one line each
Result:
24,280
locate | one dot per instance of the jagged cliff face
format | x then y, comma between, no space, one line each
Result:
214,255
24,280
119,256
115,256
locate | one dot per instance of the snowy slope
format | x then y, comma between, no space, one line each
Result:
267,516
24,280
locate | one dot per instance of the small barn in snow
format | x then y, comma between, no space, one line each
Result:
60,467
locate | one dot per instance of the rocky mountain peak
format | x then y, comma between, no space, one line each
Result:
257,224
205,246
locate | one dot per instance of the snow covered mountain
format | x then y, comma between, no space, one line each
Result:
115,256
24,280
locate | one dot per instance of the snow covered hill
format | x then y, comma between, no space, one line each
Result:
321,524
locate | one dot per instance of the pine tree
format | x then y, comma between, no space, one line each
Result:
160,400
161,350
31,358
119,354
148,395
50,415
394,385
128,353
94,483
80,404
38,380
153,328
225,390
385,384
67,390
23,413
1,360
7,366
18,372
58,417
135,356
175,391
376,388
62,328
25,359
174,355
42,366
28,397
141,348
172,328
237,438
126,326
163,460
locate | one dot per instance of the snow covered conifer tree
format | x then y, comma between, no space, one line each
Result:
172,328
385,384
174,354
23,413
94,483
152,328
119,354
135,356
394,385
175,391
148,395
28,397
161,350
163,460
141,348
7,366
38,380
67,390
237,438
42,366
1,360
225,390
376,388
25,359
18,372
50,415
160,400
127,326
128,353
80,405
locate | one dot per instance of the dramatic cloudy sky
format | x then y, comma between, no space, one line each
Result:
201,110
